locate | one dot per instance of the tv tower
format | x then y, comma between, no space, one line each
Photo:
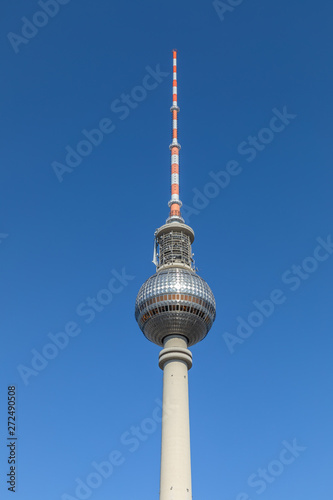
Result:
175,309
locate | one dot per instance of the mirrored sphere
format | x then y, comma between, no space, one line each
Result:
175,301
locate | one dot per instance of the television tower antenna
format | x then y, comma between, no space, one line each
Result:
175,202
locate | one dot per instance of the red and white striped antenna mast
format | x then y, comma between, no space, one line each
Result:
175,202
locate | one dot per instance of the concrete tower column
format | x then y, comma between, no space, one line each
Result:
175,360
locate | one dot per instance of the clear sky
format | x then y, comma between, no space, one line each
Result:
85,98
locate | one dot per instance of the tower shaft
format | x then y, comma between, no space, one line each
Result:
175,360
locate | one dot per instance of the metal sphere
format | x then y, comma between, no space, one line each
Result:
175,301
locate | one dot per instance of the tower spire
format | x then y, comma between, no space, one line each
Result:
175,202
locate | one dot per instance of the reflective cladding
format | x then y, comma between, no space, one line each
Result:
175,301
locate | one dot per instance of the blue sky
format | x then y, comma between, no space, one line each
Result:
84,184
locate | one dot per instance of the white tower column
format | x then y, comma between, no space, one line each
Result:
175,360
